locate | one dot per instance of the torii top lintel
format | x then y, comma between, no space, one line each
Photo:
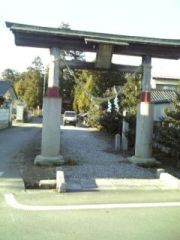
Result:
45,37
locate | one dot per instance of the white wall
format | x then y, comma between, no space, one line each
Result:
159,110
4,118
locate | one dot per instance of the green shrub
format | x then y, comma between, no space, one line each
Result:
93,117
169,138
168,134
111,122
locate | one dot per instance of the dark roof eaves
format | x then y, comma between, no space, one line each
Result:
84,34
161,101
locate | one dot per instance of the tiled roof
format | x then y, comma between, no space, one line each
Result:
162,96
4,87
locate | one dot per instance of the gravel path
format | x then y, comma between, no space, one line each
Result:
93,152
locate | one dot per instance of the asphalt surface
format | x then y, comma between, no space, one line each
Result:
12,141
144,223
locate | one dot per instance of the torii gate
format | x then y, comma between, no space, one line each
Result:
104,45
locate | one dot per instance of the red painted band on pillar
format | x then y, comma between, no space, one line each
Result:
53,92
145,96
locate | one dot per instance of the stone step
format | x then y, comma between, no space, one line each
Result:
115,184
164,181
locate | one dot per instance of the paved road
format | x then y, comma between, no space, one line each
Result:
12,141
142,223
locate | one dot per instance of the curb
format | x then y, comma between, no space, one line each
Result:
164,181
169,180
60,180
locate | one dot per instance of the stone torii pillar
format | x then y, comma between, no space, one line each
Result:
144,120
50,142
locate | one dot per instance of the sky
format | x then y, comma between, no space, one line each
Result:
149,18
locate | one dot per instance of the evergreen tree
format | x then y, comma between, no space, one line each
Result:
37,64
10,75
34,90
130,99
131,93
29,87
20,87
169,134
82,91
173,114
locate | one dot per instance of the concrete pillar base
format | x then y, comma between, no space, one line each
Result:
49,161
145,162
